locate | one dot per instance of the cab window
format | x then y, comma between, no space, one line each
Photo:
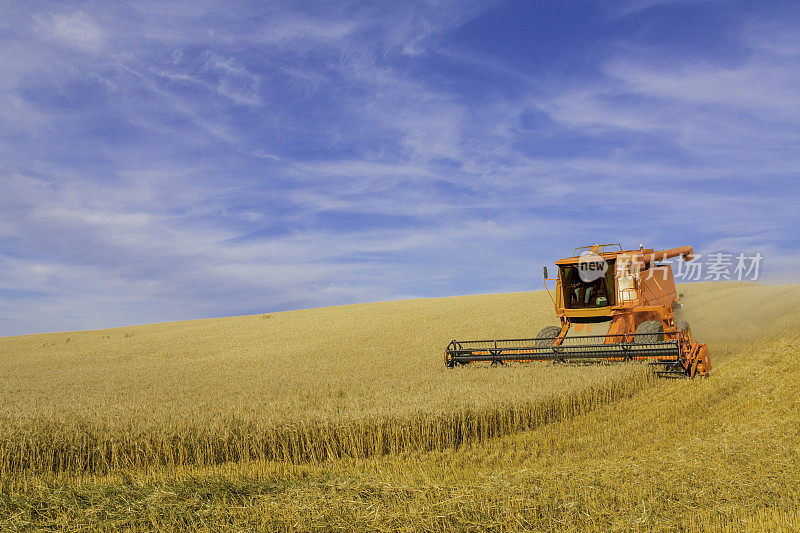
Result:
580,294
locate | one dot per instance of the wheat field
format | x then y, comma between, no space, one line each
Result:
302,385
347,418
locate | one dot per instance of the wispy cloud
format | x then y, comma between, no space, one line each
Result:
76,29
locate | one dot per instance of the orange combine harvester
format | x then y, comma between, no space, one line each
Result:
614,305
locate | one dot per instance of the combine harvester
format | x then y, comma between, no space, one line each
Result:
614,305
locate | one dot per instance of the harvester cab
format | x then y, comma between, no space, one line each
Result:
613,305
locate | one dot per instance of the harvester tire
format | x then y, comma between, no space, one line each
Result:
649,331
448,359
684,326
545,337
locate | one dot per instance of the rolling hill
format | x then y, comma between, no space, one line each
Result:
347,416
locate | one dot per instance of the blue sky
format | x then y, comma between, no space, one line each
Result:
167,160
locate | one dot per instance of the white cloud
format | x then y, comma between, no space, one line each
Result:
76,29
290,29
757,86
773,37
629,7
264,155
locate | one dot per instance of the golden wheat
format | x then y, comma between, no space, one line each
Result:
50,446
612,449
347,381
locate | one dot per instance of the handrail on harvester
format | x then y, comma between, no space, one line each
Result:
548,292
601,246
625,299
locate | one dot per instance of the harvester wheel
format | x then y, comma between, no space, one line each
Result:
545,337
649,331
684,326
448,359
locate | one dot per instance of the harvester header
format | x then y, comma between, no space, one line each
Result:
613,305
